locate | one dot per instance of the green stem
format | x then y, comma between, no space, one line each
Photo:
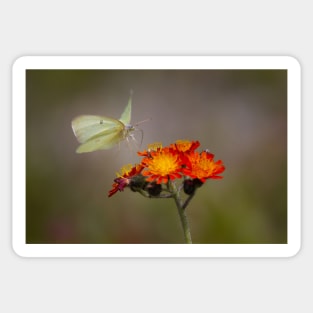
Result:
181,210
188,200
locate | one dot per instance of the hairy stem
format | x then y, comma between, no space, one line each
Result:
181,211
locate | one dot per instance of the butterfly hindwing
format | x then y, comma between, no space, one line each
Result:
100,143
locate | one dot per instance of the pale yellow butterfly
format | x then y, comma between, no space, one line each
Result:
101,132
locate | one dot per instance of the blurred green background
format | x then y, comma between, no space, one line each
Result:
239,115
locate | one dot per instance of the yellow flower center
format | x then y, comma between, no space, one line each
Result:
164,164
202,166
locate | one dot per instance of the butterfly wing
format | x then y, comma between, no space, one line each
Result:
126,115
97,132
86,127
100,143
100,132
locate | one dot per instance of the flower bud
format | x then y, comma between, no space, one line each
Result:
190,185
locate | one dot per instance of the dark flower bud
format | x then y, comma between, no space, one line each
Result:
137,182
153,189
190,185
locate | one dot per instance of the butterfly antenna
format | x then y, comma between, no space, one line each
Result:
146,120
141,137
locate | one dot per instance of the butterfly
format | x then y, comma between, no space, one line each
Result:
100,132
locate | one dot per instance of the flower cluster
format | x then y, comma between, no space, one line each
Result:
162,165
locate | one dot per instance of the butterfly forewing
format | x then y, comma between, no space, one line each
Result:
86,127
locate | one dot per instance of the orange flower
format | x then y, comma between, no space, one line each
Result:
185,145
202,166
152,147
128,172
163,164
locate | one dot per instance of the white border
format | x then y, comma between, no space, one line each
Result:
155,250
